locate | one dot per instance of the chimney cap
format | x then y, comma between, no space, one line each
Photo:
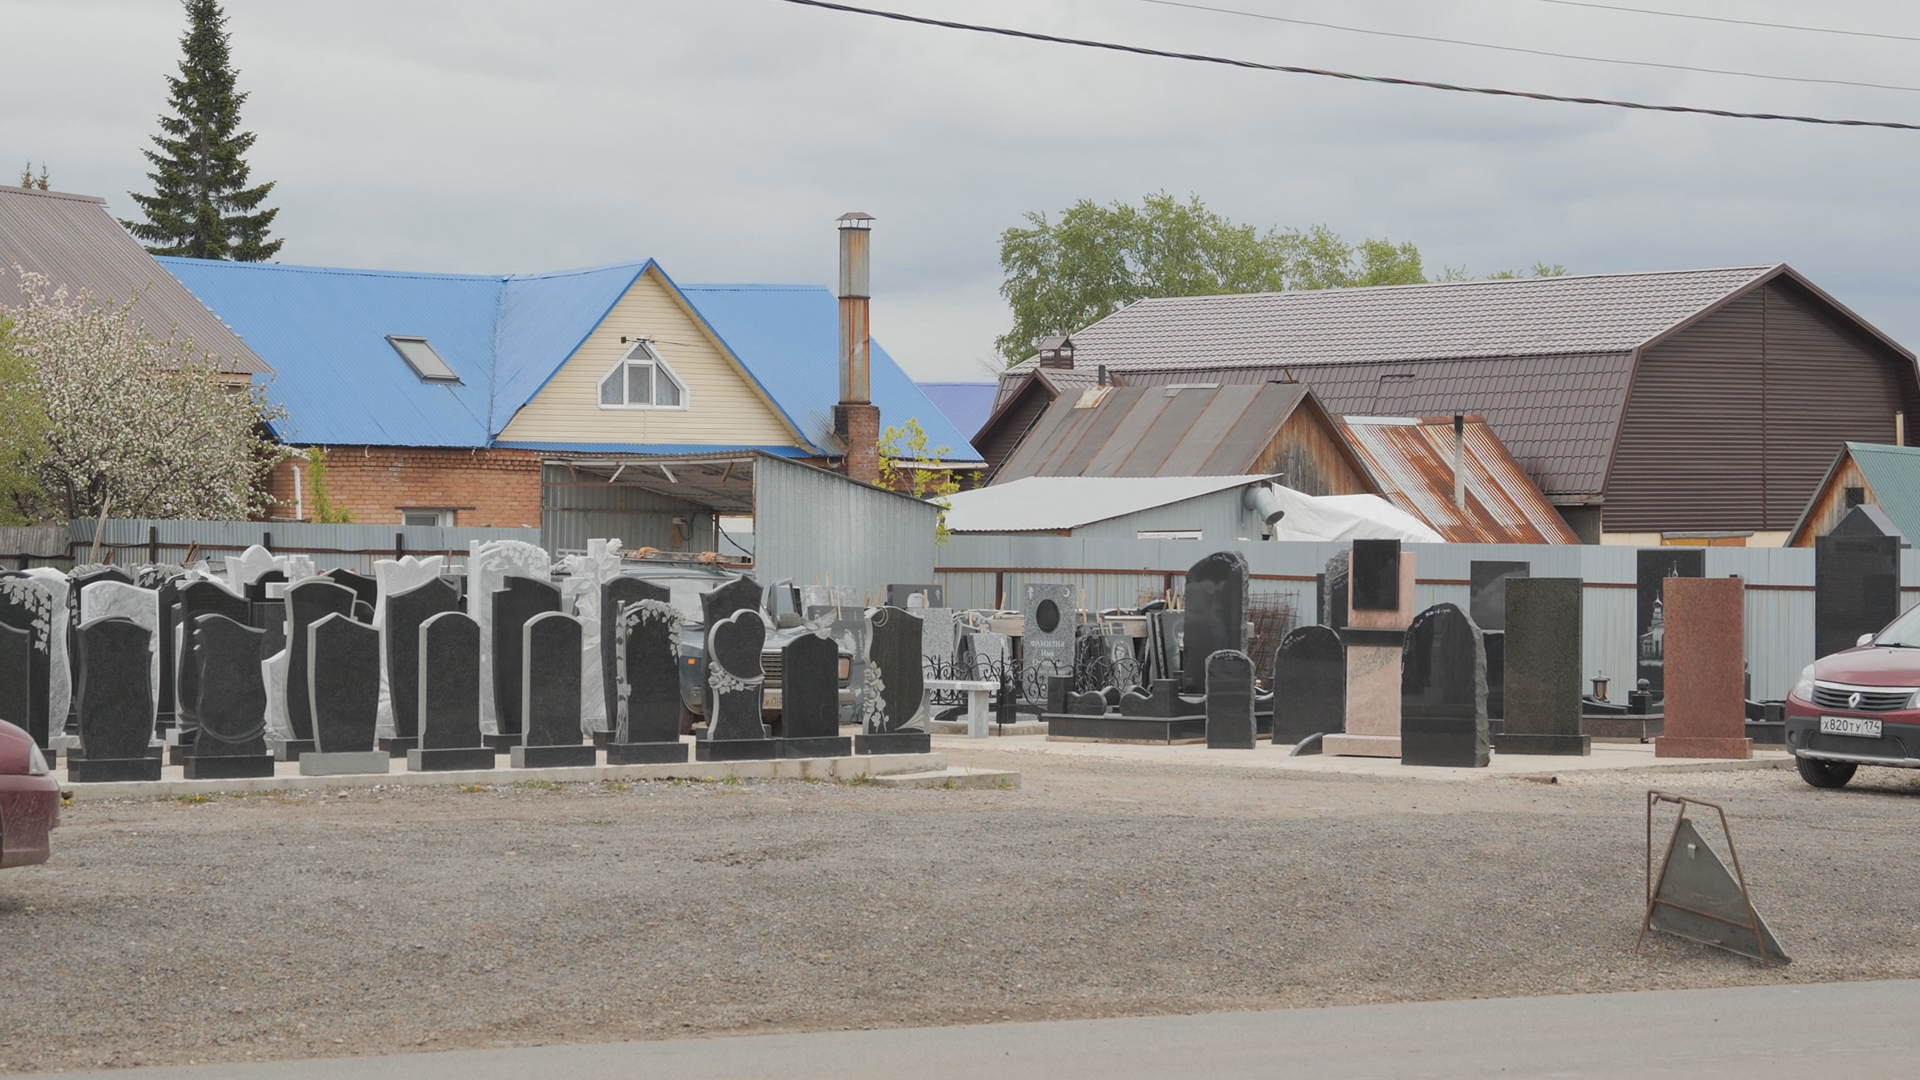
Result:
855,219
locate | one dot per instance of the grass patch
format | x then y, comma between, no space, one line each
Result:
193,800
730,780
614,785
863,780
470,789
536,785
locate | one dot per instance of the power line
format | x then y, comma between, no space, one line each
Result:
1386,80
1530,52
1735,22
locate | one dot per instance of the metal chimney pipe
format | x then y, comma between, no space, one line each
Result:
856,349
1459,457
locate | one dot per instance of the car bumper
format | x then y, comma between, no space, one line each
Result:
1898,745
29,812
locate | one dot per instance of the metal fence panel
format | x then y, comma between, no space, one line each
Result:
354,547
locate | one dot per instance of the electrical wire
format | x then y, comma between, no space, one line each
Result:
1733,21
1385,80
1529,52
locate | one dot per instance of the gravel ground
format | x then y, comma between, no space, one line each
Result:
378,921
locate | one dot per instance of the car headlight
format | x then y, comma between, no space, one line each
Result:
36,762
1804,688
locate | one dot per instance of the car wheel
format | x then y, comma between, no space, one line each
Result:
1825,774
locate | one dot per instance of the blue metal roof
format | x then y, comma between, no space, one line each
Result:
967,404
325,330
654,449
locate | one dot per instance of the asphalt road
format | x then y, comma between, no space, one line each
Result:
1854,1030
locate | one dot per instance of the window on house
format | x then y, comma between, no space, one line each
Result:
421,357
1856,496
641,380
440,518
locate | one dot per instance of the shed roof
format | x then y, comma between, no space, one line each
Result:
1412,462
73,241
1054,503
1893,474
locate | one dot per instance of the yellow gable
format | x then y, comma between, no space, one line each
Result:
722,407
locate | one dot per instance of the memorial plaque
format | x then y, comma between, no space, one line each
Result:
1543,676
115,704
1443,692
1309,685
448,693
1655,567
1230,723
516,603
1856,589
1216,610
1705,653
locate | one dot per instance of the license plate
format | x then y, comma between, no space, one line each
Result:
1850,725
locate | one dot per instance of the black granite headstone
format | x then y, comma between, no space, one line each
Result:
1333,590
232,706
720,602
1230,723
1443,691
256,590
1216,610
1488,591
895,690
167,590
514,605
1160,701
1495,644
735,692
1655,566
116,704
365,589
1543,642
1165,629
16,676
194,599
810,699
1376,575
1856,589
26,604
406,612
550,695
615,596
343,683
308,602
447,691
647,667
1309,685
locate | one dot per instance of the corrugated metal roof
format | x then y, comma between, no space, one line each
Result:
73,241
1521,317
1412,461
1893,472
506,336
1052,503
966,404
1155,431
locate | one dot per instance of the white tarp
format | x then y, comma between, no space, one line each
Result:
1346,517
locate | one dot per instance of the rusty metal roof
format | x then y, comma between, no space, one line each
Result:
1161,430
73,241
1412,461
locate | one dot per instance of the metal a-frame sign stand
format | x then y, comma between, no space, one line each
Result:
1696,897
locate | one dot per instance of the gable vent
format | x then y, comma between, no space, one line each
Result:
421,357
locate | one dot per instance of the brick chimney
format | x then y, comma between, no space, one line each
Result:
856,421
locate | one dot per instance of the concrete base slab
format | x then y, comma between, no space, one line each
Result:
352,763
735,749
954,777
1376,746
665,753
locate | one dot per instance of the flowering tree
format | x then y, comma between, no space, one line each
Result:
23,423
911,464
144,426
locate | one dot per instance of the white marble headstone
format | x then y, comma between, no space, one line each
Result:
60,673
585,574
245,568
116,600
274,670
488,566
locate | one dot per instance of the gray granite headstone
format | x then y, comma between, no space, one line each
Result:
192,600
514,605
114,599
1309,684
939,639
1047,642
894,697
735,679
1443,691
343,684
550,690
649,671
1856,589
448,691
1216,605
1655,566
1487,591
115,704
1333,590
308,602
405,613
166,589
848,625
232,705
615,596
1543,673
1230,722
28,605
810,698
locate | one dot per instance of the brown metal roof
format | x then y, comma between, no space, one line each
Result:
1412,461
73,241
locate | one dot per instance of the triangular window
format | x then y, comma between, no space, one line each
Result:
642,380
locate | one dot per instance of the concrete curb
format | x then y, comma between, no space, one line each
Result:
954,777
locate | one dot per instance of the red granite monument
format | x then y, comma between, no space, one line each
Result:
1706,639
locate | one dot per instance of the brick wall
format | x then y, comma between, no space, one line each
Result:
484,488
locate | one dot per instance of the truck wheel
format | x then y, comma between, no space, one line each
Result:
1825,774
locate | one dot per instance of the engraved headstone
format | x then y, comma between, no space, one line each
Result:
1230,722
447,689
810,699
166,592
721,601
1336,590
204,596
893,702
1216,605
1443,691
1655,567
343,695
550,695
1309,685
400,648
27,605
847,623
1047,641
116,711
247,567
1856,589
939,639
307,602
232,707
1543,642
114,599
60,648
580,590
647,705
735,690
615,596
16,676
516,603
261,589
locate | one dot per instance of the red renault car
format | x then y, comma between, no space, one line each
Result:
1859,707
29,799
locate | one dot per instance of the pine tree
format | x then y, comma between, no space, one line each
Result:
201,205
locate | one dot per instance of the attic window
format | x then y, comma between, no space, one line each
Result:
420,356
642,380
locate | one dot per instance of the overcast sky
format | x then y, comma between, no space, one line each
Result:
722,137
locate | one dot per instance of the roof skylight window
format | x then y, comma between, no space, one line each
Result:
421,357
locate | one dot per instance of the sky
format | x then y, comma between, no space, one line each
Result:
723,137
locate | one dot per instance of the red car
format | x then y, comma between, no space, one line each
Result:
1859,707
29,800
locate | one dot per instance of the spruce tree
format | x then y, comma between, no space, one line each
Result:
201,205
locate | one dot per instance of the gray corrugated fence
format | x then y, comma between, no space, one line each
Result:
989,571
354,547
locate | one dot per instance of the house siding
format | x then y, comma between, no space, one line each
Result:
1732,423
1312,459
724,407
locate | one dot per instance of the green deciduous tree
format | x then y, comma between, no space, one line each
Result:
23,429
201,204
